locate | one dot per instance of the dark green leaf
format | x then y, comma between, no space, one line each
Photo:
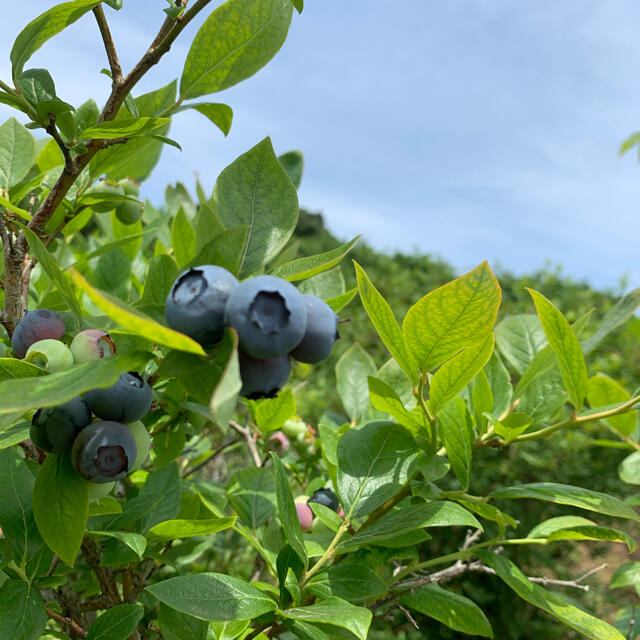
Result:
162,273
22,612
352,374
181,626
252,493
293,163
225,249
118,623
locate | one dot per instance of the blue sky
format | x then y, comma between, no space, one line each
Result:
470,129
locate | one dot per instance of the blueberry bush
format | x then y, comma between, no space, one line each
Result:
158,475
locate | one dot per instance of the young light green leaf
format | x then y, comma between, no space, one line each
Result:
559,607
213,596
566,346
174,529
136,323
336,612
254,190
594,532
22,612
303,268
125,128
512,425
252,493
454,425
352,372
603,390
626,575
454,316
183,239
287,510
450,608
629,469
455,374
25,215
118,623
573,496
272,413
61,506
45,26
51,390
374,463
482,399
14,435
236,40
384,321
384,398
339,302
519,339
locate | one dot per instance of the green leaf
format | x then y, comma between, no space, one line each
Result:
254,190
626,575
557,606
594,532
134,541
384,321
457,315
352,582
293,163
482,399
17,210
252,493
303,268
384,398
17,153
61,506
520,338
118,623
336,612
408,518
566,346
450,608
54,272
327,516
37,86
162,273
374,463
225,396
236,40
180,626
183,239
125,128
298,4
337,303
456,430
134,322
573,496
270,414
208,226
22,612
603,390
105,507
225,249
352,373
174,529
512,425
51,390
455,374
45,26
220,114
629,469
12,368
287,510
213,596
543,396
16,513
14,435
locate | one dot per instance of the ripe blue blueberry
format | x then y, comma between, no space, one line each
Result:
263,378
196,303
36,325
269,314
327,498
104,452
126,401
54,429
321,332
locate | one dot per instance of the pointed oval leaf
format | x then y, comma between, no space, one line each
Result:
17,153
118,623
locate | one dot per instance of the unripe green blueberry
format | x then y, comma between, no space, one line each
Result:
131,187
92,344
293,428
49,354
129,212
97,491
106,187
143,442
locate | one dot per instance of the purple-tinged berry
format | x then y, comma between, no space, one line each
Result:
36,325
92,344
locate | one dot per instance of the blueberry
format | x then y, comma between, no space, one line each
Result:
269,314
107,187
129,212
49,354
143,442
104,452
327,498
92,344
305,515
278,442
263,378
36,325
196,303
294,427
321,332
131,187
126,401
54,429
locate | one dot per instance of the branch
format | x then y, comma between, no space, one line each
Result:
53,132
246,432
109,45
92,554
208,459
70,626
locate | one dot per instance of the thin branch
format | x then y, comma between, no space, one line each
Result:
109,45
409,616
53,132
246,432
92,554
69,625
213,455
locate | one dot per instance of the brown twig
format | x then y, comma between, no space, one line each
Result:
52,130
106,577
109,45
70,626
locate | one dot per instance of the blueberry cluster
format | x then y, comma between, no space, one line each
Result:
101,452
127,211
273,319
